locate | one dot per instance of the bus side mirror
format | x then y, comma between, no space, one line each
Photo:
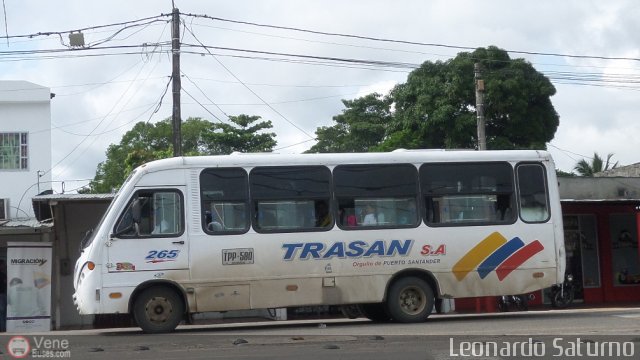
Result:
136,210
132,227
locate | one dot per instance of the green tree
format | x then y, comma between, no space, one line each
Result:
587,169
435,108
147,142
360,128
244,134
561,173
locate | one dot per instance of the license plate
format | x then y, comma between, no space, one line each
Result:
237,256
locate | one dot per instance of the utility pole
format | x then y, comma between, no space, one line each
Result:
482,139
175,79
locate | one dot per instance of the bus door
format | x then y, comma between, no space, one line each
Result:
150,233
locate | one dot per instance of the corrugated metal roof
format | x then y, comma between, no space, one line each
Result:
73,197
24,223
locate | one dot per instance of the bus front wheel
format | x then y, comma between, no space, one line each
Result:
410,300
158,309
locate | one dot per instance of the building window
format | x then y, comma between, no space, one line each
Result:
624,249
14,151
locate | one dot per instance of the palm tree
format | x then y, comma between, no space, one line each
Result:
585,168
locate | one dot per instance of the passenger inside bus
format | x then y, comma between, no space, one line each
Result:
503,207
347,215
369,216
323,218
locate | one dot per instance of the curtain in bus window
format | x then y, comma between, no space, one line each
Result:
532,186
376,195
468,193
291,198
224,195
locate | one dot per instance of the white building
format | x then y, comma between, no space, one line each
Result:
25,146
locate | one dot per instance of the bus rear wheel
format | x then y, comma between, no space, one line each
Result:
158,310
410,300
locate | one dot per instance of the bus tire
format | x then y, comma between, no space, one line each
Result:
410,300
375,312
158,309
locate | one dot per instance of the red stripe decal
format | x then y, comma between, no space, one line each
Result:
518,258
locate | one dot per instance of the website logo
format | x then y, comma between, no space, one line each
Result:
496,253
18,347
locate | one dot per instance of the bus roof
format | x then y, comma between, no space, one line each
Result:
332,159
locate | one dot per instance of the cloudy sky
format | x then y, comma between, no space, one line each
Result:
101,94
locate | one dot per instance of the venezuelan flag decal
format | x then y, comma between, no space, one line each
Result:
496,253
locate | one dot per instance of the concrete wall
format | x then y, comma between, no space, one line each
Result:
26,107
632,170
600,188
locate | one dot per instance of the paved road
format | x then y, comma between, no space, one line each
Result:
442,337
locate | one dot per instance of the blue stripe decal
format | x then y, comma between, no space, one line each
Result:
500,255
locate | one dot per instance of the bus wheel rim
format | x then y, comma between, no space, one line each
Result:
413,300
159,309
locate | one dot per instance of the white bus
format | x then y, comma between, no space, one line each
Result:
389,232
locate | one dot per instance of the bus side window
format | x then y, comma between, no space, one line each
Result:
224,198
167,210
468,193
532,187
291,198
152,213
371,196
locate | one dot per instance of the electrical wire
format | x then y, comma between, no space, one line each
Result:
96,127
249,88
406,42
207,97
292,145
201,105
59,33
113,108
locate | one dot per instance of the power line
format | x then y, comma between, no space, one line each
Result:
447,56
62,50
205,95
566,152
135,119
201,105
113,108
59,33
326,42
292,145
282,85
312,57
406,42
304,62
95,128
247,87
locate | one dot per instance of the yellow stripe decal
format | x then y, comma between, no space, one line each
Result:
477,255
